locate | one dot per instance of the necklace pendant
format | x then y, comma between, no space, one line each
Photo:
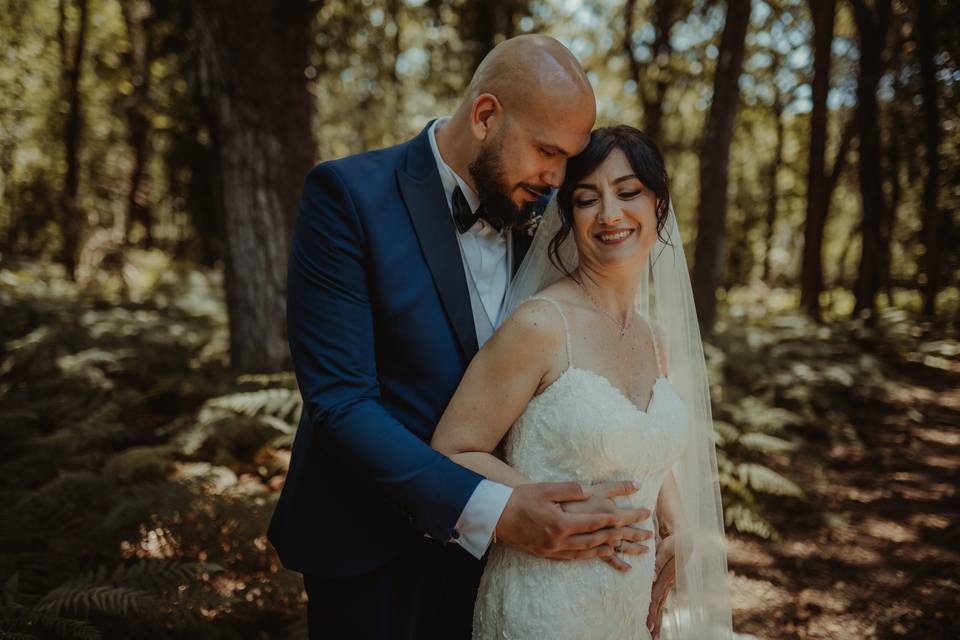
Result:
622,332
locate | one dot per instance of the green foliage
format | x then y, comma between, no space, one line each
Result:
105,518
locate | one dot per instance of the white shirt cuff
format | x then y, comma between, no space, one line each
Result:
480,516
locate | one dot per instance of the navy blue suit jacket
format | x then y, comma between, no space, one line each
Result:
381,332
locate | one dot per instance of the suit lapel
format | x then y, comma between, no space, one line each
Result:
426,203
521,242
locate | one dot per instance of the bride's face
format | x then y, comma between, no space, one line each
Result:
614,215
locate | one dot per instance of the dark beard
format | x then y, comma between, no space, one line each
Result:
493,192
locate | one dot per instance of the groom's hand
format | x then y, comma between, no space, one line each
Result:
534,521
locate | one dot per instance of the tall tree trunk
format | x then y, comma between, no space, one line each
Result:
250,58
71,65
137,59
894,161
9,138
483,23
927,43
871,29
652,79
714,164
818,200
772,173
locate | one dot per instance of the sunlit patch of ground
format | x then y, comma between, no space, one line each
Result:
883,557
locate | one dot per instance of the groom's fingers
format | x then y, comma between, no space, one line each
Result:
612,489
563,491
588,523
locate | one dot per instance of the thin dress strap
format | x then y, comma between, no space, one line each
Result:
656,349
566,327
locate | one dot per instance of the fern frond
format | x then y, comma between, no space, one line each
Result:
20,621
765,443
766,480
725,432
276,402
284,378
77,597
748,521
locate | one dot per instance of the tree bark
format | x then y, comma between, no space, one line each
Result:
773,172
137,59
714,164
818,197
927,42
71,65
249,61
652,79
871,29
482,23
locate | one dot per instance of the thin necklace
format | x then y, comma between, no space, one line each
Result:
621,325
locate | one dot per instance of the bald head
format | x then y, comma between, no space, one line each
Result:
529,70
527,110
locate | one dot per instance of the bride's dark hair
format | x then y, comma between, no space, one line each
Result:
645,159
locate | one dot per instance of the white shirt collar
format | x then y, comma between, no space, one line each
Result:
448,176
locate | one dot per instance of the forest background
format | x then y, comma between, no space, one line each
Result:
151,157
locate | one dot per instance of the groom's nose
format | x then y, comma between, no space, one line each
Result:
553,176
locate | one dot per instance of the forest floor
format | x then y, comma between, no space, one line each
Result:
876,552
138,476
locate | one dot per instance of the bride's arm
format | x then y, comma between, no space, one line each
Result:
668,506
511,368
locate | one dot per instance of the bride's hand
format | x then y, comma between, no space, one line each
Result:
666,577
535,521
634,544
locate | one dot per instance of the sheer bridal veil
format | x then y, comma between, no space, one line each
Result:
699,606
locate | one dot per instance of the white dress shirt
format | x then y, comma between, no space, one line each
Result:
485,253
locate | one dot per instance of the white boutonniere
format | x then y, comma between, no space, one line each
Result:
531,225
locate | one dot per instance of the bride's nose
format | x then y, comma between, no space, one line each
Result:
610,211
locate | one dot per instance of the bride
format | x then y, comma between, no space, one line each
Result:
600,376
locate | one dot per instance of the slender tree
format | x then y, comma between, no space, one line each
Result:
484,23
71,66
137,59
652,79
871,20
773,170
823,13
714,163
927,43
250,58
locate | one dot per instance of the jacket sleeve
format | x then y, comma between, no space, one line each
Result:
330,329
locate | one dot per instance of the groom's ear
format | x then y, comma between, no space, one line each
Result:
486,112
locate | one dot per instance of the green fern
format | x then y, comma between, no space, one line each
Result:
281,403
765,443
85,598
138,588
19,621
766,480
749,521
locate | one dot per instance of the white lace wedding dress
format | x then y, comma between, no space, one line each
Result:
582,428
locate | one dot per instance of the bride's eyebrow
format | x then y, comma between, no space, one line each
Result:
587,185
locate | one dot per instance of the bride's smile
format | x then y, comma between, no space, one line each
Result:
614,216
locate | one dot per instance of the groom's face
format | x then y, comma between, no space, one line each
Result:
523,160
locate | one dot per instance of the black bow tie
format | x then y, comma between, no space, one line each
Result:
463,216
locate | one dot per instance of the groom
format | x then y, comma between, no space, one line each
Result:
400,265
